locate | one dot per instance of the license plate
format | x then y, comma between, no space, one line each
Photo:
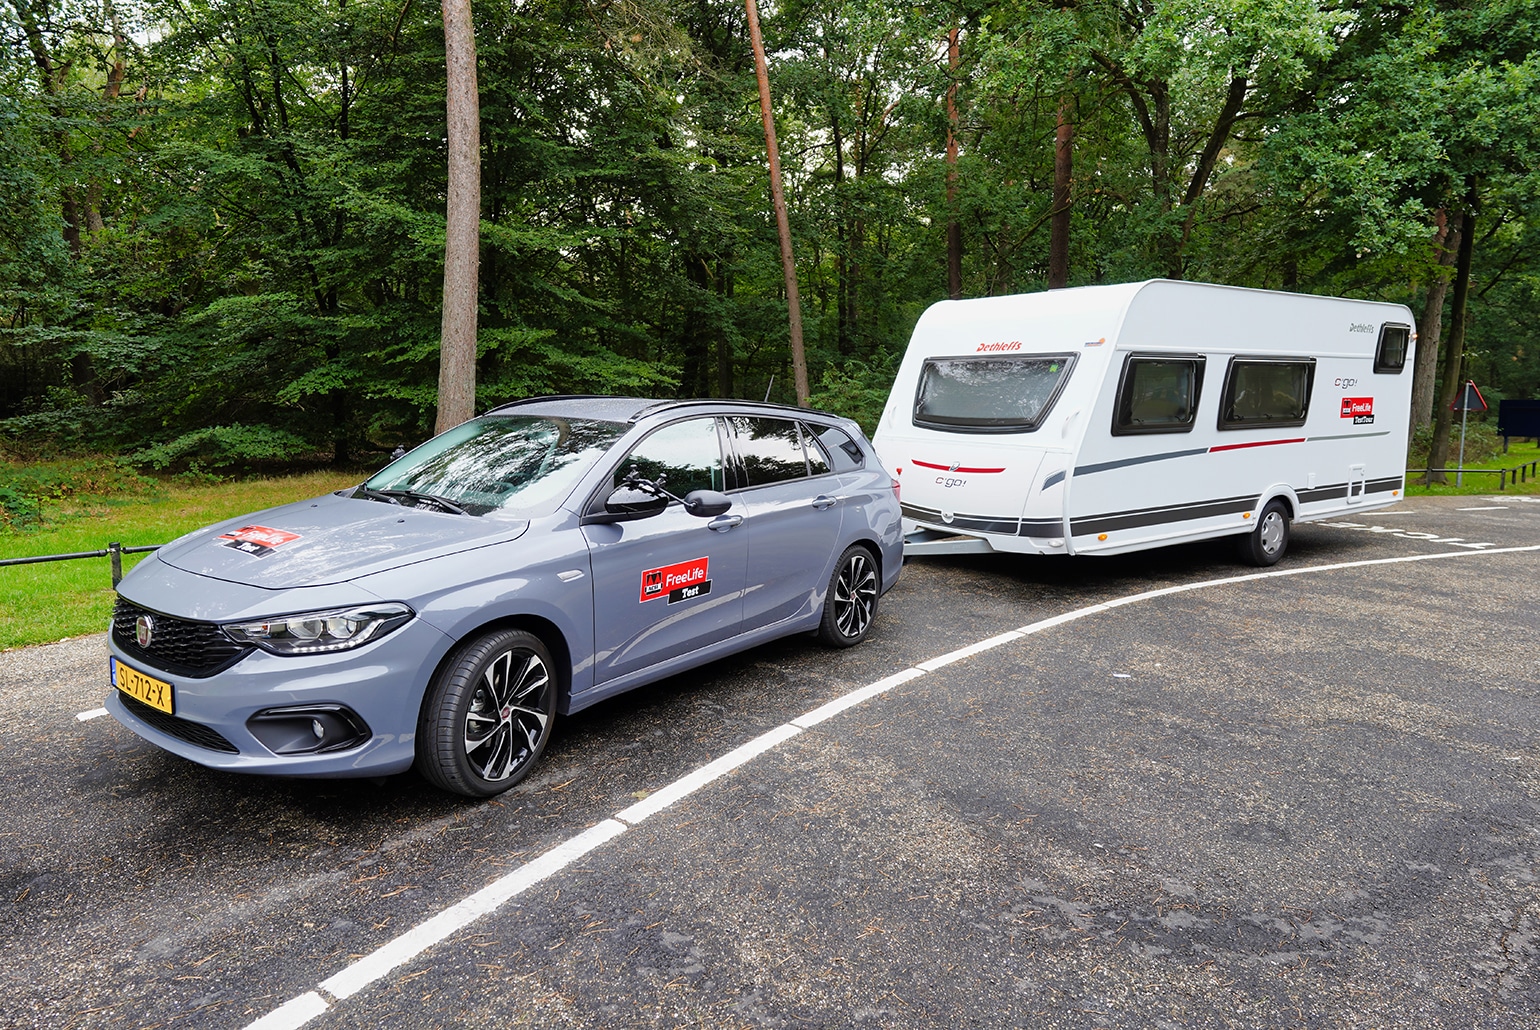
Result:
153,692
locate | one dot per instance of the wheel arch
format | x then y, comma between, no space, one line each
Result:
1280,492
550,635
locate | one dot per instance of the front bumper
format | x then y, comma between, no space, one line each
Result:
382,683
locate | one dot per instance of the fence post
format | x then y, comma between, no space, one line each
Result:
116,550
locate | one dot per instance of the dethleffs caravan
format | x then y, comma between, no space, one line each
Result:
1109,419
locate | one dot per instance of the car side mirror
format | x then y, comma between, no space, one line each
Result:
627,502
707,503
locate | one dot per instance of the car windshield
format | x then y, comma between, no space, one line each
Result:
512,462
982,395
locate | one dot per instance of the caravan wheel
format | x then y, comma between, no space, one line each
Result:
1264,545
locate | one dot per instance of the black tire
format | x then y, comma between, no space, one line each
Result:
1264,545
488,714
850,603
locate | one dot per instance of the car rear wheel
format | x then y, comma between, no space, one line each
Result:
1264,545
851,601
488,714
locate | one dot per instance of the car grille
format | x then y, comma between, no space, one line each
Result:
178,646
193,733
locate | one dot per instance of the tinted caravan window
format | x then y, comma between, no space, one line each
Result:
990,394
1394,342
1158,395
1266,393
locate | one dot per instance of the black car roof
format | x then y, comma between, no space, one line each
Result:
634,409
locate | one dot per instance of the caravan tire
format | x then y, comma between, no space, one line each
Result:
1264,545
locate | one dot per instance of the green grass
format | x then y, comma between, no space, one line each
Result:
55,600
1483,483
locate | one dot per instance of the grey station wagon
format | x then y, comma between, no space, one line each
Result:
543,557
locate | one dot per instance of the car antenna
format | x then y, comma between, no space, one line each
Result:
769,388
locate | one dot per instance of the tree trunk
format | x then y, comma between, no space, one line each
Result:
1430,327
1058,228
724,338
462,223
953,226
778,200
1454,350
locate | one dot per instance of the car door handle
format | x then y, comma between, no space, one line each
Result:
823,501
722,523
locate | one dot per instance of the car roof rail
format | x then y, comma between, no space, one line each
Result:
544,398
767,406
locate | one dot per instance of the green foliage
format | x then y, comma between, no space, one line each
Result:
858,389
224,447
234,253
1482,444
27,486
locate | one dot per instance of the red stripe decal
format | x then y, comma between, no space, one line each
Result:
1259,443
948,468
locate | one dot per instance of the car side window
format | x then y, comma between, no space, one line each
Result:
845,455
817,464
1158,395
685,456
770,449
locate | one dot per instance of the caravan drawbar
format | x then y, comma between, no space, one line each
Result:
1108,419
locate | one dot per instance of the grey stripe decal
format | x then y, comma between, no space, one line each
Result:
1156,516
1352,436
974,523
1054,480
1086,470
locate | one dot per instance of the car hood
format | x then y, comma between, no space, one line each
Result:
330,539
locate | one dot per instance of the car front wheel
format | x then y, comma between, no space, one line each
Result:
851,601
488,714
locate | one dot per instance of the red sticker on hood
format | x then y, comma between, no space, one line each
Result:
257,540
678,582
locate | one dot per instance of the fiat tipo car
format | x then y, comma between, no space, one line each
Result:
533,561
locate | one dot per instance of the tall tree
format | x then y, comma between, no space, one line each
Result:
462,220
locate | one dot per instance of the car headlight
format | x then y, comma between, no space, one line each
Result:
337,629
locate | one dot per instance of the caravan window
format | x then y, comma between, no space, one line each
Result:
990,395
1391,355
1158,395
1266,393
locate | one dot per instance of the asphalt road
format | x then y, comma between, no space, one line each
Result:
1290,801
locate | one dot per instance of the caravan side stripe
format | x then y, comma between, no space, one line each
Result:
1254,443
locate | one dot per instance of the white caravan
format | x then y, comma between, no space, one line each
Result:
1109,419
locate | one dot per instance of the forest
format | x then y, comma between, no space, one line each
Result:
223,229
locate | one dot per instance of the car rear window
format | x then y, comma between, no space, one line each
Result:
990,394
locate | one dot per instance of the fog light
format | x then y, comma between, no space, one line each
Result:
308,729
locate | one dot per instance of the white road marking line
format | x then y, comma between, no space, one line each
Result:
292,1014
429,932
1495,507
687,785
354,978
95,713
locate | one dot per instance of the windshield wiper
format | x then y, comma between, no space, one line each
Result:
372,494
443,503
